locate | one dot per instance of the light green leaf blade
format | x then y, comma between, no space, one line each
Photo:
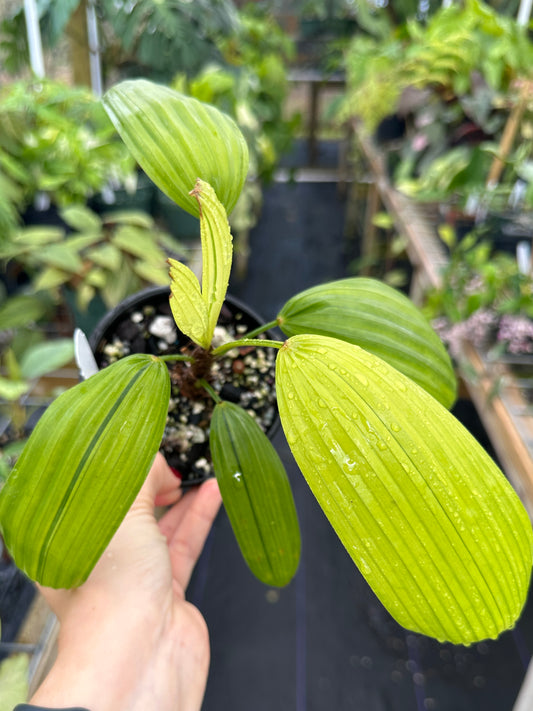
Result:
137,242
379,319
50,277
429,519
18,311
177,139
12,389
46,357
216,252
80,218
151,273
105,255
62,257
188,307
256,493
81,469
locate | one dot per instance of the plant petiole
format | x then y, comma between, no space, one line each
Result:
203,382
176,357
261,329
243,342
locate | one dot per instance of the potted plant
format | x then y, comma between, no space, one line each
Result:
57,148
432,523
91,261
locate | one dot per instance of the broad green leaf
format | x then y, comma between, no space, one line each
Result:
12,390
129,217
81,470
46,357
132,240
105,255
432,523
151,273
197,310
379,319
61,257
256,493
96,278
35,236
50,277
188,307
80,218
18,311
177,139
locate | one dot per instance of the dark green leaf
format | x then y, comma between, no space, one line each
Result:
256,494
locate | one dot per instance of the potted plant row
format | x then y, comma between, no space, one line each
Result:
363,386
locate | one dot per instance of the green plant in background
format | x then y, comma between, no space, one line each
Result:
449,54
431,522
108,256
26,354
250,84
481,289
56,145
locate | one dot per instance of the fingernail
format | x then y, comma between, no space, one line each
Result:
176,473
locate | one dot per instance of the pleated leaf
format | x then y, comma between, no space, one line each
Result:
256,493
188,307
177,139
431,522
82,468
379,319
196,310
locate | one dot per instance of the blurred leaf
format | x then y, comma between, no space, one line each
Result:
12,389
151,273
46,357
18,311
49,278
105,255
62,257
80,218
13,681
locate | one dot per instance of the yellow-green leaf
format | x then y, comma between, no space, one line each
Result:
81,470
432,523
256,493
216,252
50,277
188,307
46,357
197,310
177,139
379,319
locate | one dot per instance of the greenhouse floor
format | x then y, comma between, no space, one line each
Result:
325,642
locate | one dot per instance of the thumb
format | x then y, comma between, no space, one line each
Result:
162,486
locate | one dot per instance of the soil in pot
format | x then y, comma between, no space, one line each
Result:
144,324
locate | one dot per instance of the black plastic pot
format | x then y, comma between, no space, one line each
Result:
127,323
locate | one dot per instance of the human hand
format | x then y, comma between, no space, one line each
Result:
128,639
